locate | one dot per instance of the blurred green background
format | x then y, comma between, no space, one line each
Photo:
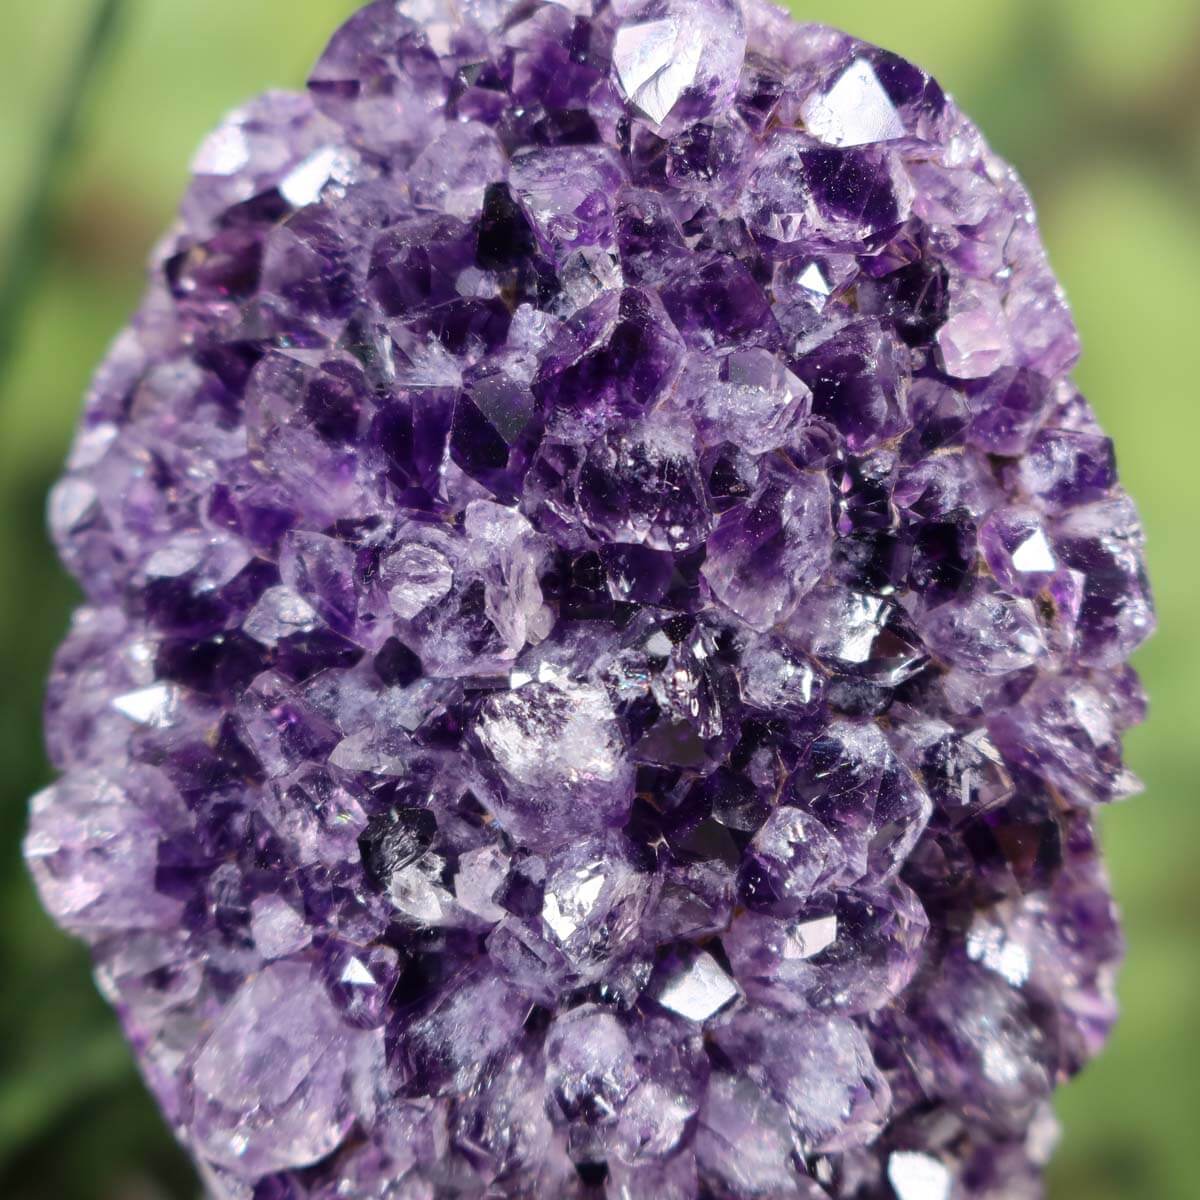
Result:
1098,104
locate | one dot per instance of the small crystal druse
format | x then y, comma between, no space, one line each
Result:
605,626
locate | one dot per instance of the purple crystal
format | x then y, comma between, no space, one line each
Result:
605,626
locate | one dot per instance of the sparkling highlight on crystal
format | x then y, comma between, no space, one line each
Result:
605,628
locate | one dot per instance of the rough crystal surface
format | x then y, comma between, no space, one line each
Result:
605,629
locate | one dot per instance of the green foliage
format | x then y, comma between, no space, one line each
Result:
35,223
1099,107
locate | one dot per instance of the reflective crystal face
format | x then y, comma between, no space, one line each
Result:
605,625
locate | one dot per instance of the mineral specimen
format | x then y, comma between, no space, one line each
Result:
605,629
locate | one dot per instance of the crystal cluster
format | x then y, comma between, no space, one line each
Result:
605,629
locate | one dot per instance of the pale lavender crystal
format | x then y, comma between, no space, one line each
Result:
605,626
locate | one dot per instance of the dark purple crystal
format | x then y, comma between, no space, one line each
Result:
605,625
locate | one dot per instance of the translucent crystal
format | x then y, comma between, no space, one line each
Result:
605,626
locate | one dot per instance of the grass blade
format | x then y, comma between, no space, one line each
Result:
34,227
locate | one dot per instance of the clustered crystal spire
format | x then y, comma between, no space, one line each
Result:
605,628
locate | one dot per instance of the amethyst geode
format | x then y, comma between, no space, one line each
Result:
606,625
